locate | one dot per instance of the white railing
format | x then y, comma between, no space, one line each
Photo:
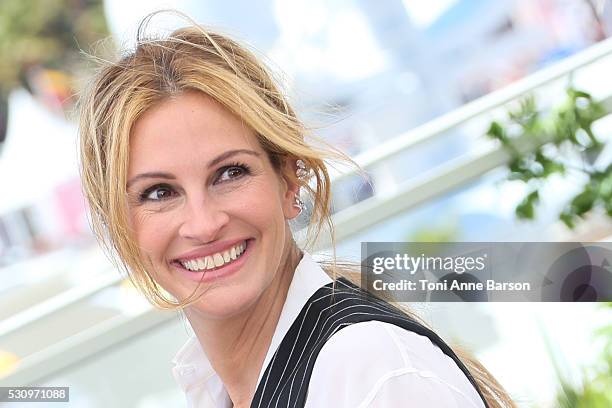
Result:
440,125
58,303
423,188
440,180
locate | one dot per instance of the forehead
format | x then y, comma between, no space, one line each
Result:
191,125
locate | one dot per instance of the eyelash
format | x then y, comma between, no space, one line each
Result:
246,170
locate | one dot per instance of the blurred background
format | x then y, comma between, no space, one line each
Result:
429,97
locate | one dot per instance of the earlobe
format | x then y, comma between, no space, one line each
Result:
294,204
298,204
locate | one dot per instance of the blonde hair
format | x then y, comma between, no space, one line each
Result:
197,59
190,59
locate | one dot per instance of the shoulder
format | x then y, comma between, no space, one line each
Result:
374,363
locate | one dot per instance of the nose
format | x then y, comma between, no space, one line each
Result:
202,220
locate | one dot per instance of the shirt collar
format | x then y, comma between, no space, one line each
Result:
192,369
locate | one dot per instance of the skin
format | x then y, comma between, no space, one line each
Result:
188,205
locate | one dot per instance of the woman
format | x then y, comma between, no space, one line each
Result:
193,163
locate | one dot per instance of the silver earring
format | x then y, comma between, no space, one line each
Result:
299,204
301,171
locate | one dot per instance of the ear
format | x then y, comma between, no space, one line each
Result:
290,187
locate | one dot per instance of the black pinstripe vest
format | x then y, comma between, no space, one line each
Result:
285,382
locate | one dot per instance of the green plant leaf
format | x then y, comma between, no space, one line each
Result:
568,219
570,128
526,208
584,201
549,166
496,131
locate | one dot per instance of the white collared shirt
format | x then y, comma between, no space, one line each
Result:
368,364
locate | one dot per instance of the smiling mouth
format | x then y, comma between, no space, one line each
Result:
214,261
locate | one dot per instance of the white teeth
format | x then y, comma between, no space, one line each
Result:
218,260
215,260
210,263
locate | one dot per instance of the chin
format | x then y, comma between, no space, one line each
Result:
225,302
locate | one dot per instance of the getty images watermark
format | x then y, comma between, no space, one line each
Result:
488,271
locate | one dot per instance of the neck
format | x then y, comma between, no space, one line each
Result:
237,346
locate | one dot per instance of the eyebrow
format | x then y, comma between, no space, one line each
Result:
213,162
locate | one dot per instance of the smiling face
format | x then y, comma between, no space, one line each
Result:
206,204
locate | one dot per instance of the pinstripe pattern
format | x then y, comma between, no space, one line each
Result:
285,381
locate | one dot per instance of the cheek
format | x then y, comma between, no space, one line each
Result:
261,204
152,231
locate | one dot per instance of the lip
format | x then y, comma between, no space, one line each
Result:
217,273
210,249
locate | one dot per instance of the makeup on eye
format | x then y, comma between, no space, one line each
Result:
239,170
244,170
146,195
167,176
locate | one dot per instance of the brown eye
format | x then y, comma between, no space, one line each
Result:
157,193
232,172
